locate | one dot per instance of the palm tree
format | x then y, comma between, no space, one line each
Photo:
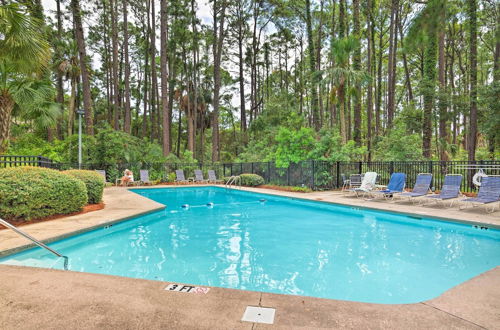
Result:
342,74
24,55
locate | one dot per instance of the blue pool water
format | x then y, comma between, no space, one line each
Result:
281,245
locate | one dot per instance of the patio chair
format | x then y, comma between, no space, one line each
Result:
421,188
489,193
212,178
198,177
449,191
118,181
144,177
353,182
180,178
367,184
103,173
396,185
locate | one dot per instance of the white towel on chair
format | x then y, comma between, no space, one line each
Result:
368,182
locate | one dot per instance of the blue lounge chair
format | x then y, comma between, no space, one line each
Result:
421,188
489,192
450,190
396,185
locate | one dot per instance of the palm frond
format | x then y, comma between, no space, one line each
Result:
23,44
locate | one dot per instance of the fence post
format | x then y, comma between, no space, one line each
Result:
268,172
313,174
431,168
391,168
338,174
288,175
241,168
252,168
360,167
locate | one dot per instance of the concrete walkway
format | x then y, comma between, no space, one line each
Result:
33,298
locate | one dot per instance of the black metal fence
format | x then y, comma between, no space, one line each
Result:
14,161
315,174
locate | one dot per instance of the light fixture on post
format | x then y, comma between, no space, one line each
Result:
80,113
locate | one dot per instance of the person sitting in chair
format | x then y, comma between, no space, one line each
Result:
128,177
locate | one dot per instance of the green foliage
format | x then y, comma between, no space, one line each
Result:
33,192
251,180
293,146
93,181
171,177
489,120
115,147
398,145
301,189
330,148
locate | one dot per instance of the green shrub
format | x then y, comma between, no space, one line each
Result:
171,177
251,180
34,192
301,189
93,181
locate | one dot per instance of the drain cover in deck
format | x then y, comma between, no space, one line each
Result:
259,315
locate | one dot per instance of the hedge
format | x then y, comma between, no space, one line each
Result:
251,180
34,192
93,181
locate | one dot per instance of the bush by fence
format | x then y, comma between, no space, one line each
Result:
35,192
93,181
251,180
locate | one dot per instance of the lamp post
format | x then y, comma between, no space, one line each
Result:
80,113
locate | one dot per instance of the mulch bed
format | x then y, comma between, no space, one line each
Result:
86,209
280,188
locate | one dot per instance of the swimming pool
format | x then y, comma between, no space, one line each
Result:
243,240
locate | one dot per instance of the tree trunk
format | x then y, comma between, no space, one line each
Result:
369,96
82,54
472,9
312,68
6,107
146,28
164,77
128,117
343,129
391,67
218,33
154,77
114,38
357,66
241,64
59,74
378,100
428,90
72,104
405,65
443,116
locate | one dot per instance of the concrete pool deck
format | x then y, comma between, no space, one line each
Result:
43,298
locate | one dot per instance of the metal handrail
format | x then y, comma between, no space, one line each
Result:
232,180
34,240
